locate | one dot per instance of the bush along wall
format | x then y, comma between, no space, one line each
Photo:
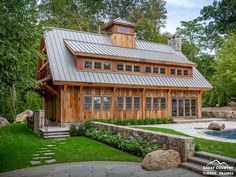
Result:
133,145
143,121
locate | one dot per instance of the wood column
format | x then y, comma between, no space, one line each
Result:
113,106
81,104
143,103
63,103
169,111
199,104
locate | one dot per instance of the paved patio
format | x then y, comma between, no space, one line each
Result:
197,129
97,169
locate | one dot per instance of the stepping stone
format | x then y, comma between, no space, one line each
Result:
49,153
43,148
35,155
61,139
35,162
40,158
51,161
62,142
52,145
49,150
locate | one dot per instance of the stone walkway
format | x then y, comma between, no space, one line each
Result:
46,154
97,169
197,129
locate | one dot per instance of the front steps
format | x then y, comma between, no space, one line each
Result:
201,159
54,132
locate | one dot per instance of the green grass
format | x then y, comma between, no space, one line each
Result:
18,144
217,147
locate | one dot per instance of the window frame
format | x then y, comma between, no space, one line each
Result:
180,71
172,69
161,99
146,69
164,69
123,30
158,104
117,105
153,69
118,67
104,65
98,62
138,69
135,103
130,104
94,103
104,103
128,65
85,64
185,70
148,108
91,103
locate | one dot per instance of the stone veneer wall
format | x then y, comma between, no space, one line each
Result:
230,115
184,145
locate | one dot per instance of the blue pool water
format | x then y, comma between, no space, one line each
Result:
229,134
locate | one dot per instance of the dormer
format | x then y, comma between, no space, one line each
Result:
121,33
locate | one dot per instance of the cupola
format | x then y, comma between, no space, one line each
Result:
121,33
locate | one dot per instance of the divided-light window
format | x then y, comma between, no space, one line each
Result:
128,68
107,66
148,102
97,103
88,64
120,67
172,71
163,70
179,72
155,103
155,70
136,68
98,65
136,103
128,103
185,72
148,69
124,30
87,103
107,103
163,103
120,103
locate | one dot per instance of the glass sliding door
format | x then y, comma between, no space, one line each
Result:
184,107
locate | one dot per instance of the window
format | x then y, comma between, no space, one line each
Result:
98,65
120,67
148,103
107,103
148,69
97,103
128,68
181,107
136,68
163,70
194,107
172,71
128,103
136,103
124,30
155,103
185,72
87,103
163,103
88,64
120,103
107,66
155,70
179,72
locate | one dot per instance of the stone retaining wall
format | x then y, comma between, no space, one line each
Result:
230,115
184,145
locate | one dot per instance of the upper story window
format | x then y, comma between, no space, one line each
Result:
148,69
128,68
179,72
107,66
120,67
163,70
88,64
172,71
136,68
155,70
185,72
98,65
124,30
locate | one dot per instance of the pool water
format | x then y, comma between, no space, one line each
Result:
229,134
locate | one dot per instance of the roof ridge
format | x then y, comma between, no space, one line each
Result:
78,31
119,46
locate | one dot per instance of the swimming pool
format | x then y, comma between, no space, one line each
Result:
228,134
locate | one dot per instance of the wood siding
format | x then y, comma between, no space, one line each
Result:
69,107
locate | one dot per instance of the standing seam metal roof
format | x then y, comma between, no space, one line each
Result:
63,68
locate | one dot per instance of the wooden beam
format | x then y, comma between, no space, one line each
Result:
113,106
169,102
50,89
43,66
128,86
81,104
143,103
199,104
46,79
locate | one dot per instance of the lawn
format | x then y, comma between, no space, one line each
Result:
18,144
217,147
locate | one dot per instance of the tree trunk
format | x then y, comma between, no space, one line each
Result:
13,98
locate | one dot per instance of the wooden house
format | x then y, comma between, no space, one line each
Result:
88,76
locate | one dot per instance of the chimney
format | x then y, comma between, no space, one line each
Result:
175,43
121,33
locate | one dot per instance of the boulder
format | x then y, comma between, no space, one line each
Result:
215,125
232,104
3,122
24,115
161,160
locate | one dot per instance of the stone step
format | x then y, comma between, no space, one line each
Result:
192,166
210,156
55,136
56,133
178,121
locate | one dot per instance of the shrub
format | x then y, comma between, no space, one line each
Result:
144,121
80,129
137,146
73,130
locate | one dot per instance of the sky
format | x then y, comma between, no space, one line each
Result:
182,10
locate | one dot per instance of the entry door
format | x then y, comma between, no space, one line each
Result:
184,107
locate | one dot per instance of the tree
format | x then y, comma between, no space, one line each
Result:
19,39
